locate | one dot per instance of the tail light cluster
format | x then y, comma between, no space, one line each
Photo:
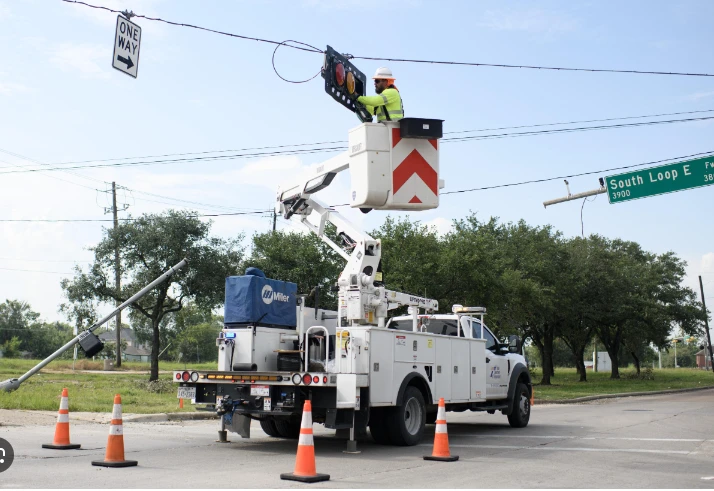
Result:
187,376
307,379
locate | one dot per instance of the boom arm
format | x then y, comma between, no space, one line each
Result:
362,296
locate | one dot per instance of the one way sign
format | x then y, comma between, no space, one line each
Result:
127,41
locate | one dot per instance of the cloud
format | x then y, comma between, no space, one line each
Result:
708,262
87,59
530,20
698,96
4,11
10,88
442,225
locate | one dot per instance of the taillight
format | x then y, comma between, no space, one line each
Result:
178,376
194,376
306,379
185,376
296,378
316,379
324,379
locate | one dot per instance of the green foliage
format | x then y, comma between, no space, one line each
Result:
148,246
11,347
299,258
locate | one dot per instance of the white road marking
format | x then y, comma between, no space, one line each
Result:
708,478
569,449
569,437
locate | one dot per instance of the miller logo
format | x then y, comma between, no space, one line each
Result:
269,295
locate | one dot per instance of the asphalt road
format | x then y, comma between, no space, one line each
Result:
664,441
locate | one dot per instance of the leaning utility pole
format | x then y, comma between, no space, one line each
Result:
706,326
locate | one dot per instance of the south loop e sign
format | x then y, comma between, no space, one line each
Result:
127,42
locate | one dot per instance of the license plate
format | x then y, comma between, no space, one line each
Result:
260,390
186,393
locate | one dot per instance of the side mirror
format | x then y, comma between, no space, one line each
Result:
514,344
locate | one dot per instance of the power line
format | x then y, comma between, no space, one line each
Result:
534,67
130,219
573,130
330,149
185,160
34,271
335,142
312,49
533,181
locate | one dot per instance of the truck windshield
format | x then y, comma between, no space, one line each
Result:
447,327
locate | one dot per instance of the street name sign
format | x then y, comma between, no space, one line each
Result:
660,180
127,42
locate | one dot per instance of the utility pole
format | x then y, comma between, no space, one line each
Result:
706,326
117,267
275,216
117,272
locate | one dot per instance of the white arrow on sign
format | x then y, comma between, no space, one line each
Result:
127,42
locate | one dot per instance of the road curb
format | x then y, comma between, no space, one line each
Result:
614,396
163,417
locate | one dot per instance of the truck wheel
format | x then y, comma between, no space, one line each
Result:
378,425
268,426
288,428
406,422
521,407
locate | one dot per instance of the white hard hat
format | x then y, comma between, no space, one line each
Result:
382,72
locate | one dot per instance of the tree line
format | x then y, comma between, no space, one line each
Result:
534,281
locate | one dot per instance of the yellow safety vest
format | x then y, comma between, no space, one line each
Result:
387,105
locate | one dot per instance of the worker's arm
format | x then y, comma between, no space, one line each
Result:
386,97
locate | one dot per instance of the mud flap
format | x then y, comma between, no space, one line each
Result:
238,424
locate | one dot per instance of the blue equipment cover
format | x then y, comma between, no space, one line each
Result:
258,300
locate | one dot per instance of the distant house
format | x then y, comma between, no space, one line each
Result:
134,350
702,357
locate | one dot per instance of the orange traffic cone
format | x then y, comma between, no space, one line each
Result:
305,463
441,438
115,444
61,441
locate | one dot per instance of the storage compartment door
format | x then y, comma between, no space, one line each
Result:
442,368
381,366
460,370
478,369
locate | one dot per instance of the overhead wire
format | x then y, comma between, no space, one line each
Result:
335,142
331,149
129,219
312,49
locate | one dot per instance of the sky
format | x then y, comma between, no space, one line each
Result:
61,101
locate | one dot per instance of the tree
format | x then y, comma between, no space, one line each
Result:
299,258
148,246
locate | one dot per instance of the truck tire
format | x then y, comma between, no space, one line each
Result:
521,407
288,428
406,422
378,425
268,426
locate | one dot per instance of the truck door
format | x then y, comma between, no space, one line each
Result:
496,365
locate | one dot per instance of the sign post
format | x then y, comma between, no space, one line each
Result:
127,42
664,179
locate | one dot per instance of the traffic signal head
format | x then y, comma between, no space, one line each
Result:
345,83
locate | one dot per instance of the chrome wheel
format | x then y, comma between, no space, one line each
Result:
524,405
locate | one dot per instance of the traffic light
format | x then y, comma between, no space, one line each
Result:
345,83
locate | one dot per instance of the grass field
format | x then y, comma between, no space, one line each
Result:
94,392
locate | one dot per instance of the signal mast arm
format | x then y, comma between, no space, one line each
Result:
362,297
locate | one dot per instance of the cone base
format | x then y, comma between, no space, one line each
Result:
451,458
308,479
70,446
121,463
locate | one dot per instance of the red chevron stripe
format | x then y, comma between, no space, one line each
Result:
396,136
415,199
415,164
433,143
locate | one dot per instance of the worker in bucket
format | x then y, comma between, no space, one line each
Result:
387,104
